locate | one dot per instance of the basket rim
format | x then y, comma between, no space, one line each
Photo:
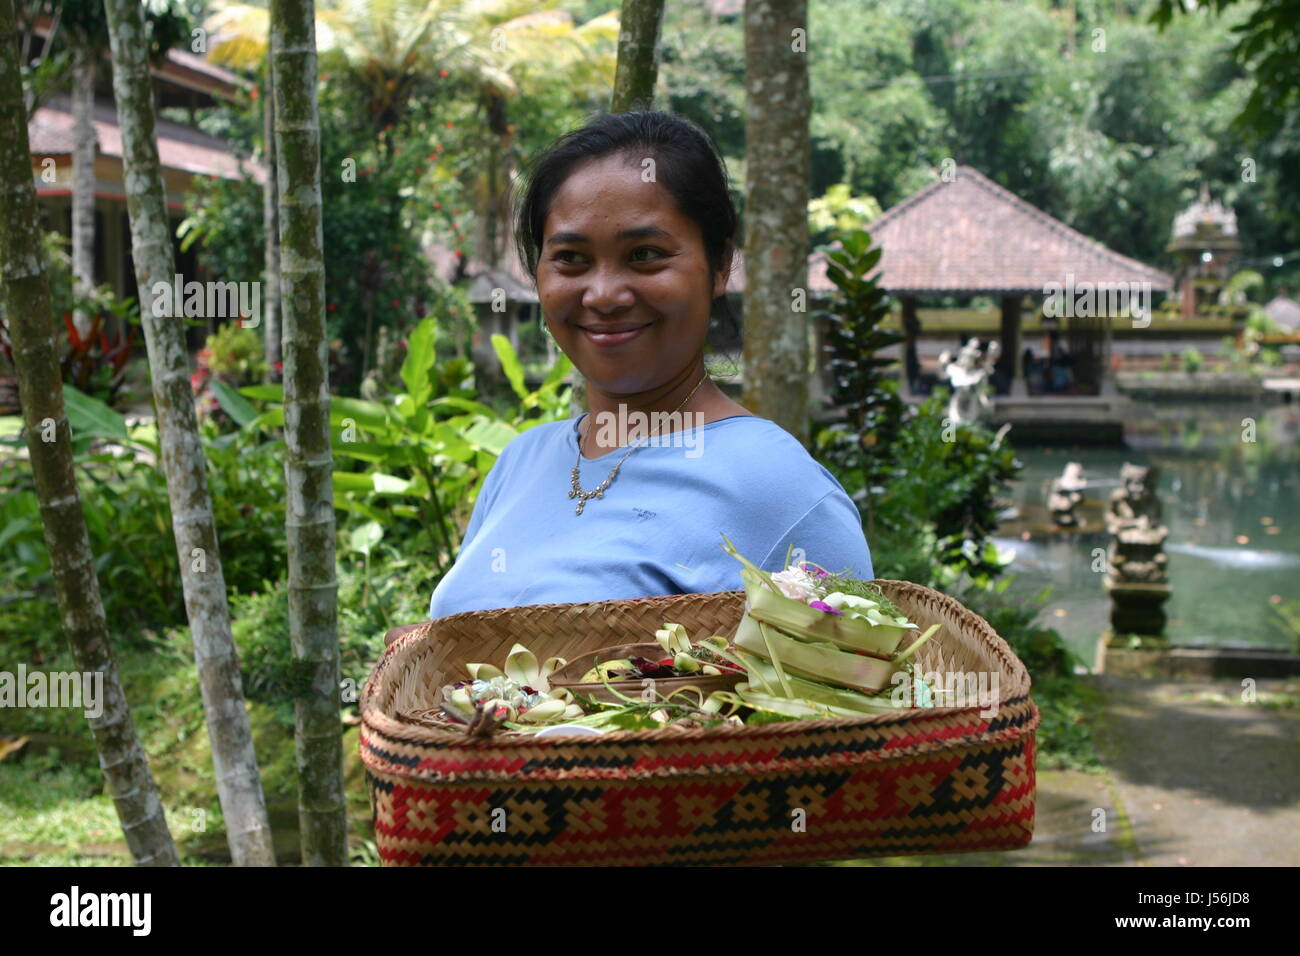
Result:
377,722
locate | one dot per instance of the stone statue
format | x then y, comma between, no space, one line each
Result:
1136,575
1066,494
968,376
1133,519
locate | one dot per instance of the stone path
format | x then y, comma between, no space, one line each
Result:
1194,777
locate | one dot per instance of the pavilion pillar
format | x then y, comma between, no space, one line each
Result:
911,364
1106,383
1012,360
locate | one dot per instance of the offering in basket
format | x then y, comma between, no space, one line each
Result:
820,644
668,665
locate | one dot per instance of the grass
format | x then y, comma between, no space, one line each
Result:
1069,709
54,807
54,813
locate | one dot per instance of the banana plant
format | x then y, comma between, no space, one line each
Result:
423,454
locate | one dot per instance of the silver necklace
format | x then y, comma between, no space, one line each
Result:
599,491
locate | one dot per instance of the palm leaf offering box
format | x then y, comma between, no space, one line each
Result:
837,780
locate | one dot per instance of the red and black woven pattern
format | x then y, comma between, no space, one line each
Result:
920,781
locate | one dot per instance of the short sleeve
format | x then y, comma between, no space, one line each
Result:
487,494
483,503
830,535
489,490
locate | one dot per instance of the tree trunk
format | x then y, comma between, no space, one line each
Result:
308,466
271,226
239,785
83,181
495,110
776,213
49,442
638,55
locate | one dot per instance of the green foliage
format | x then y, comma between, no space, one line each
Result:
95,363
1284,620
128,517
1192,360
951,477
225,217
422,455
854,340
909,469
1265,42
374,595
1068,707
378,197
875,125
234,354
840,211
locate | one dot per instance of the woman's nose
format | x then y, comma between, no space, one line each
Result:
607,290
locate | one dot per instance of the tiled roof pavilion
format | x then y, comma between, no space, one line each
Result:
970,236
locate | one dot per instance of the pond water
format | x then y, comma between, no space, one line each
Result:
1232,506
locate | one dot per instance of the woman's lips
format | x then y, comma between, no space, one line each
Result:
613,338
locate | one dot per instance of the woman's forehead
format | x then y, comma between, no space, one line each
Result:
606,195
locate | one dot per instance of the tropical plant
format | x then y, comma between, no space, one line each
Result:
951,478
425,451
839,211
855,338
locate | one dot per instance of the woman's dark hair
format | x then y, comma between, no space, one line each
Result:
687,164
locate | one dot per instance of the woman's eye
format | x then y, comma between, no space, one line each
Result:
650,249
560,256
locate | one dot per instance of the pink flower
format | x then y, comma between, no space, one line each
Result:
823,606
795,583
814,571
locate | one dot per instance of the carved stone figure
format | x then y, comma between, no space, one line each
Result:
968,376
1136,576
1066,494
1134,521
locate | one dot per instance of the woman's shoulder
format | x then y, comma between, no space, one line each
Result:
773,463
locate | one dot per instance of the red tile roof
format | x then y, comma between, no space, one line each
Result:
179,147
971,236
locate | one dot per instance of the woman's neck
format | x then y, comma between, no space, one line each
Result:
612,415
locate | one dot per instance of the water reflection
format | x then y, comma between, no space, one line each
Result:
1230,487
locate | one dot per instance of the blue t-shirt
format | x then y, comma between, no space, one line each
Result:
658,529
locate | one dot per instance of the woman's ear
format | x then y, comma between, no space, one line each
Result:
721,277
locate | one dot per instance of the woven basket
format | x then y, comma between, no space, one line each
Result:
937,780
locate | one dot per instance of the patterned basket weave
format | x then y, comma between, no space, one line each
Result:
921,781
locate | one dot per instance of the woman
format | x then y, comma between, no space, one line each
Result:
628,230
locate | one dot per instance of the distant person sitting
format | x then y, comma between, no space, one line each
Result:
1033,370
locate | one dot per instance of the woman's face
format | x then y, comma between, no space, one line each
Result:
623,279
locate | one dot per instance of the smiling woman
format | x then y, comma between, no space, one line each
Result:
629,231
